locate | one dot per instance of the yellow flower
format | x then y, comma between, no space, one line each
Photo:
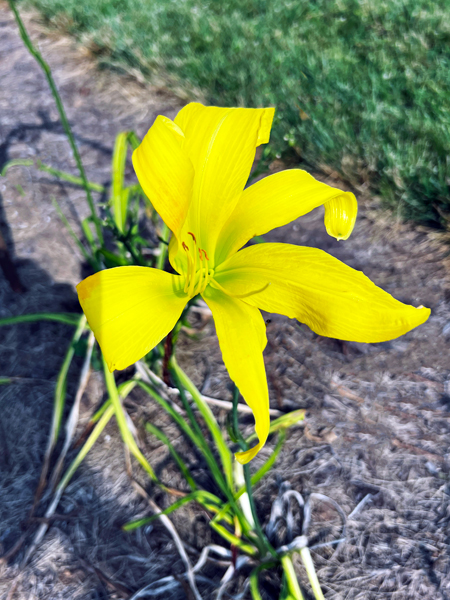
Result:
194,170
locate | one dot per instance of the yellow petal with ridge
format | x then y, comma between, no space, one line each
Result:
242,337
279,199
130,310
307,284
165,172
221,144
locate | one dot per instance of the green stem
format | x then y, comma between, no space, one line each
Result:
291,577
305,555
248,480
254,589
62,113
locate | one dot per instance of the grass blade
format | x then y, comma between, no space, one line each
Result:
121,418
199,442
224,452
282,423
58,408
119,195
16,162
177,458
206,499
66,478
61,384
73,235
66,318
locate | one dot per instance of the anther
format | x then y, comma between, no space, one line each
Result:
192,236
185,246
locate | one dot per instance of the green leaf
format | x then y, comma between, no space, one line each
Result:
111,259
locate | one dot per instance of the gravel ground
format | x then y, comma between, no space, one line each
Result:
375,438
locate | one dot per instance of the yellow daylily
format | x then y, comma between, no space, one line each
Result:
194,170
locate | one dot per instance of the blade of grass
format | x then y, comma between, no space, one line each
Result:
247,500
311,572
283,422
259,473
16,162
88,232
74,236
58,409
205,450
185,428
95,187
38,164
133,140
72,420
62,113
233,539
291,577
206,499
124,389
122,423
119,200
194,423
66,318
254,578
67,477
198,442
177,458
224,452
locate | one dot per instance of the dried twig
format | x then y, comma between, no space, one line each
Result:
149,377
176,538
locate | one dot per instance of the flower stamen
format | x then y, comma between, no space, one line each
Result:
192,285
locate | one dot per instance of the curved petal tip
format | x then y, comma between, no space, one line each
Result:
248,455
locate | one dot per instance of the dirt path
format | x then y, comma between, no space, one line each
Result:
378,424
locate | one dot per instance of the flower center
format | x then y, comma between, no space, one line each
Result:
198,273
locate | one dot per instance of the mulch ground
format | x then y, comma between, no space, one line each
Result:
376,435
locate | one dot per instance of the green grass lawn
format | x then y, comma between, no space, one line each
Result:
362,86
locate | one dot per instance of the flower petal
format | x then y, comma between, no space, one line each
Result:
333,299
279,199
340,215
165,172
242,337
130,310
221,144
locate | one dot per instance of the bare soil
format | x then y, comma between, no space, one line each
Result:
376,434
